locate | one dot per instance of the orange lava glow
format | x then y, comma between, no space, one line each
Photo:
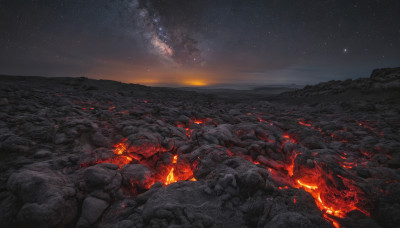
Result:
167,174
202,120
287,138
199,121
291,166
178,171
334,223
171,178
304,123
334,203
285,187
338,208
308,124
120,148
121,160
311,187
188,132
335,195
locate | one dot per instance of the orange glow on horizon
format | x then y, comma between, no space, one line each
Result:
195,82
148,82
198,82
155,72
175,77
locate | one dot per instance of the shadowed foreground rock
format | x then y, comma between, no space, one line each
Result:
126,155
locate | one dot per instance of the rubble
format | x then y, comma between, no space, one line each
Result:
91,153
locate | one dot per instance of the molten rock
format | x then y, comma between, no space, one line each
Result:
92,153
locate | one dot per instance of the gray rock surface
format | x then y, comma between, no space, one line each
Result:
92,209
91,153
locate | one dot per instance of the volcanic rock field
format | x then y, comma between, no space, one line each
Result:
77,152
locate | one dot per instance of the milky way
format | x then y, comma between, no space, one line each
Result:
171,41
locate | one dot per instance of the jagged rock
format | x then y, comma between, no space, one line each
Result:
61,139
48,199
99,140
88,153
385,74
15,144
145,143
42,154
102,176
92,209
9,206
187,204
137,176
289,219
312,143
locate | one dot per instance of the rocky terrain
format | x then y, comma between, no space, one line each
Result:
77,152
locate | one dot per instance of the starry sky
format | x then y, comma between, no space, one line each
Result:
200,42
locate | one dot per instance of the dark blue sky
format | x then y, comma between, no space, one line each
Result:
200,42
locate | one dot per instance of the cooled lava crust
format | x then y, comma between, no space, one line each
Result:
77,152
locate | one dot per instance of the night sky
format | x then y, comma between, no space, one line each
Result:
200,42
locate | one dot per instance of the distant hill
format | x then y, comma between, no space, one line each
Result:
383,84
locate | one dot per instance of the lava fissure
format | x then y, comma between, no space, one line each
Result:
133,156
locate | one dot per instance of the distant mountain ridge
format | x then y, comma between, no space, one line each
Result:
380,79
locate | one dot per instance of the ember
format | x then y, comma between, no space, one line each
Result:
304,123
120,148
199,121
